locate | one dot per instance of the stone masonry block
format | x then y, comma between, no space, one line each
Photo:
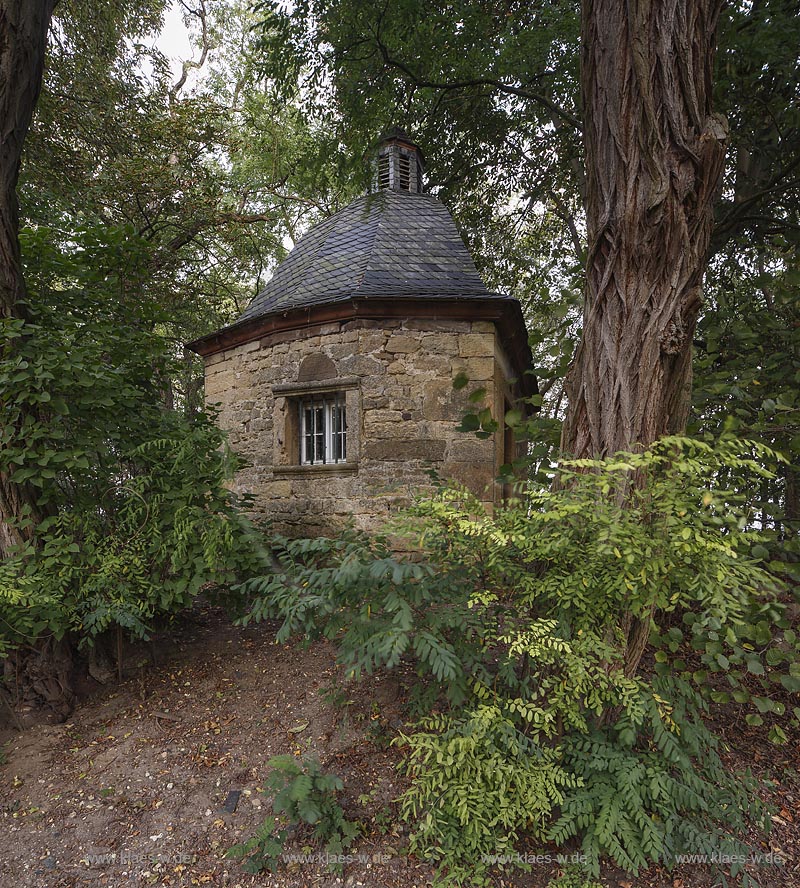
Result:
440,344
476,345
395,449
476,369
402,344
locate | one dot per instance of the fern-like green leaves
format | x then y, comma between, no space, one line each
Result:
521,620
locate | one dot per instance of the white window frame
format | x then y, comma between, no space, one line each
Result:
328,406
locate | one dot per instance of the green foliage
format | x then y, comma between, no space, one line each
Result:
554,736
307,794
574,877
207,174
378,606
304,794
263,850
478,784
647,792
137,519
136,240
492,94
749,663
157,538
747,377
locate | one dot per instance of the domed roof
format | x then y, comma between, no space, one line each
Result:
386,244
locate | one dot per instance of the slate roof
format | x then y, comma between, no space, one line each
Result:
385,244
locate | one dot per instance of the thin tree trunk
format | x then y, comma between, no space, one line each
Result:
23,38
654,155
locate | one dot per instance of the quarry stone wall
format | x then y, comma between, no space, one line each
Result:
396,379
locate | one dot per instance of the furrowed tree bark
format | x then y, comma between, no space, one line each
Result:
23,39
654,155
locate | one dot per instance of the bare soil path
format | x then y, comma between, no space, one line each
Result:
132,790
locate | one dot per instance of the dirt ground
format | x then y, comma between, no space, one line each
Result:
135,789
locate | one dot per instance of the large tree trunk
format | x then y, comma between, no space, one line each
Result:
23,38
654,155
39,673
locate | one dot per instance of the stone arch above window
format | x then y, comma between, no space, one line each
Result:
316,367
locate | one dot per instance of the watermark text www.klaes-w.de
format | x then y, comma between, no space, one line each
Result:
327,859
132,858
770,858
530,859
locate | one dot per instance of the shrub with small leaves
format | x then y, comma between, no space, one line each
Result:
647,791
523,619
574,877
478,784
263,850
136,517
378,606
751,662
160,536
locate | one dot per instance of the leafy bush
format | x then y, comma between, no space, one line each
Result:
756,657
135,516
479,783
304,795
574,877
556,734
159,536
648,792
378,606
263,850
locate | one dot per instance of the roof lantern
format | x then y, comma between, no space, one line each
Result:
399,164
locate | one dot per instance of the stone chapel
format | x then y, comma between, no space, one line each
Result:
336,384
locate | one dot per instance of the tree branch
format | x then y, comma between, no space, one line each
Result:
563,213
733,221
499,85
190,64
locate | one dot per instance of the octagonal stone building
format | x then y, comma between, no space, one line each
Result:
336,384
